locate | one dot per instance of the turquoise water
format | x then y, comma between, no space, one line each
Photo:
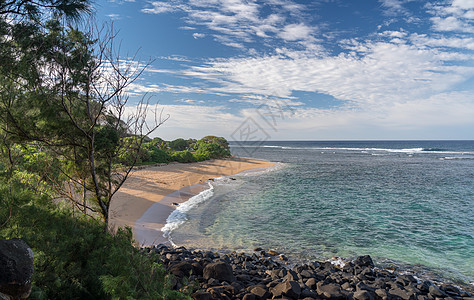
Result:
408,204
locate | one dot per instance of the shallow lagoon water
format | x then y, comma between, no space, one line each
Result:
407,204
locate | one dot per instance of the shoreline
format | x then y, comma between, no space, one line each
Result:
151,193
264,274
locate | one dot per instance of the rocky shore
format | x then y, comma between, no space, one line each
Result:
264,275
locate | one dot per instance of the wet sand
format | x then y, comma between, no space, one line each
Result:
150,194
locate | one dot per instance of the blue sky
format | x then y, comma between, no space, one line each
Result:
303,70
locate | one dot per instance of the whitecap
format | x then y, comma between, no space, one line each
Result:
179,215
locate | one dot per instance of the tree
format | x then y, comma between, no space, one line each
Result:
178,145
210,139
76,107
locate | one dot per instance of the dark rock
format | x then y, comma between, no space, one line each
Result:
197,269
403,294
181,269
451,290
311,283
16,268
346,286
273,253
330,291
227,290
424,286
243,277
221,271
465,294
306,274
364,261
282,273
436,292
379,283
365,287
257,249
348,268
288,288
201,296
382,293
362,295
291,276
308,293
249,296
405,280
261,292
213,282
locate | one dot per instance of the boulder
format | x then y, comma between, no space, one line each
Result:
362,295
181,269
401,293
249,296
311,283
16,269
261,292
220,270
201,296
289,289
436,292
364,261
330,291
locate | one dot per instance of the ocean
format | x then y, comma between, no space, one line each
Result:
408,204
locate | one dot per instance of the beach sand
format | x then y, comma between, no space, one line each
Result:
149,195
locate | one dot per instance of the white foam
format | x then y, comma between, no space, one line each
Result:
254,172
364,150
179,215
456,157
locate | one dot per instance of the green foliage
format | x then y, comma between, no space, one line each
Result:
155,154
178,145
201,156
210,139
183,156
106,140
74,257
212,151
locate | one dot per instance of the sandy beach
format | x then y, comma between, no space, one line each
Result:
151,193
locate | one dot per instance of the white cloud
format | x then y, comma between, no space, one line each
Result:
175,58
295,32
140,88
194,120
464,4
450,24
197,35
393,7
441,41
408,119
114,16
375,72
159,7
236,22
457,16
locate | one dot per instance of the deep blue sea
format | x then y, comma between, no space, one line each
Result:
408,204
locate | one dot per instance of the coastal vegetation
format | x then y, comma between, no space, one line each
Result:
68,143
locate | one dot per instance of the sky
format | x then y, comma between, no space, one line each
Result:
302,70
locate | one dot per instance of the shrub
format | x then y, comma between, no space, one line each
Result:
74,257
155,154
200,157
183,156
178,145
212,151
